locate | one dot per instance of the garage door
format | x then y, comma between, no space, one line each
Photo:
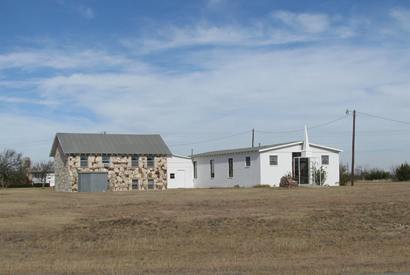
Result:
92,182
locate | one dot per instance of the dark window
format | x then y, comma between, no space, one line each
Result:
135,185
151,184
325,160
248,161
105,159
150,161
211,165
195,170
134,160
172,176
83,161
230,167
273,160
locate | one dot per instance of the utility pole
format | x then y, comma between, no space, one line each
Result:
253,138
353,145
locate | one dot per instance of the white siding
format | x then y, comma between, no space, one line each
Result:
242,175
182,169
271,174
332,169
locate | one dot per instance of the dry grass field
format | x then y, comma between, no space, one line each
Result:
343,230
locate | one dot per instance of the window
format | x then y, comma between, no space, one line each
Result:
135,185
273,160
105,159
151,184
230,167
195,170
248,162
150,161
134,160
172,176
325,160
211,165
83,161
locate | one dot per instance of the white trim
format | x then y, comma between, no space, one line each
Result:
279,146
180,156
297,143
325,147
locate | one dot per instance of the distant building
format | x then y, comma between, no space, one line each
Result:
35,177
111,162
266,164
102,162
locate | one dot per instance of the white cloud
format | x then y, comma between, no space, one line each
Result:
295,27
25,100
402,16
233,91
308,22
208,35
321,82
65,59
237,85
86,12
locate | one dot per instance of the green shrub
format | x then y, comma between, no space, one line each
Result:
402,173
344,175
376,174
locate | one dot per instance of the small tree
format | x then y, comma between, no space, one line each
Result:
12,168
42,168
402,173
319,175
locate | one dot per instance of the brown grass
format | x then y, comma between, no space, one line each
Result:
231,231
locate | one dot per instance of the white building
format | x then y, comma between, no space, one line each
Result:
180,172
247,167
50,179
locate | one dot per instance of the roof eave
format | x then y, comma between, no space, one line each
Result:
280,146
326,147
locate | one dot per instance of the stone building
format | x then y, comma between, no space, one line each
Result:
109,162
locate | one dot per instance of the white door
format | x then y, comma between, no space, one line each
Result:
180,178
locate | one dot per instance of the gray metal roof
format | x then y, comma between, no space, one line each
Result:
109,144
240,150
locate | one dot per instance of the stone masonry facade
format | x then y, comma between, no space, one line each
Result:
120,171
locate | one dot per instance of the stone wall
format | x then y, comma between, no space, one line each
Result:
62,176
120,172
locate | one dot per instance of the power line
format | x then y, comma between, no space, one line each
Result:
210,140
327,123
300,130
384,118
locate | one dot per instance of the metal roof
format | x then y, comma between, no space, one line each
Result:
241,150
109,144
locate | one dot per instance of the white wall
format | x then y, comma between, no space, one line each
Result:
271,174
51,179
332,169
182,168
242,175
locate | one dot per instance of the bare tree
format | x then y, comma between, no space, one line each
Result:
43,168
12,168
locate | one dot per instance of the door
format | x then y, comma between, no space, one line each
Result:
180,178
92,182
301,165
304,171
295,165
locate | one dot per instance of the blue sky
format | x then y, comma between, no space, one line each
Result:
204,73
